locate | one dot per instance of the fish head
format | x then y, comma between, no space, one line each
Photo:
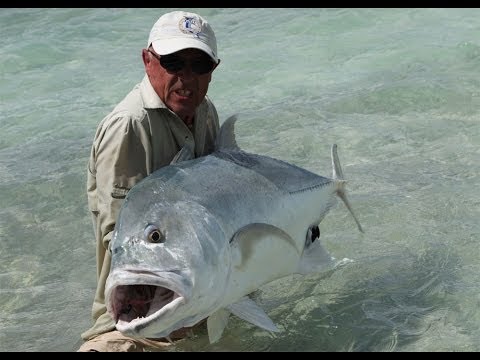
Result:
170,262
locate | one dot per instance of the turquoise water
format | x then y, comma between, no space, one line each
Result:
397,89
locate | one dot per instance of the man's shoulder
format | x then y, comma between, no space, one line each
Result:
207,107
130,109
131,106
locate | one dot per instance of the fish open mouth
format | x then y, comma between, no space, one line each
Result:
133,304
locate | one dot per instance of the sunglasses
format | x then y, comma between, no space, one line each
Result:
174,63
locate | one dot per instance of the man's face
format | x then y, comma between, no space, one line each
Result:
181,88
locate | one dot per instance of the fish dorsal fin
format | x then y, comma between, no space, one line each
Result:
185,153
248,310
226,138
216,323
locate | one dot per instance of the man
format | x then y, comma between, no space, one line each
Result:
167,110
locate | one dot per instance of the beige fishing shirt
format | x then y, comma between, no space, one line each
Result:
138,137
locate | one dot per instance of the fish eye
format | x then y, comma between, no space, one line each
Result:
153,234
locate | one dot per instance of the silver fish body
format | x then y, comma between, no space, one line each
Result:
195,238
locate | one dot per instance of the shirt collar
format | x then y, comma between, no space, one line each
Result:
150,98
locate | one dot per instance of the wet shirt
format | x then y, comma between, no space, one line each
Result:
138,137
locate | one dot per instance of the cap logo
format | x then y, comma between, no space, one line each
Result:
190,25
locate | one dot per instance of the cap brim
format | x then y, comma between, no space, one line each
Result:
169,46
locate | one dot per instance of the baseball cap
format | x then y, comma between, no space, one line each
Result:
178,30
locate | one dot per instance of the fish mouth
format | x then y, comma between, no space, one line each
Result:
139,302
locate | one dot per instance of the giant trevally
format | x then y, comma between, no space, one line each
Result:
196,237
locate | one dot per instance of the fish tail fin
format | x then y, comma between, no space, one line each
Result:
340,184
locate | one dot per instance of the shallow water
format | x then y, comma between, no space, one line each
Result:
397,89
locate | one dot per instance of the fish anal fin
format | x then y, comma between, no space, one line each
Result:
248,310
315,257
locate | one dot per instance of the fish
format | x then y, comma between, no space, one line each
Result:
196,238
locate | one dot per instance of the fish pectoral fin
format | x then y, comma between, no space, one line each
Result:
248,310
216,323
252,244
315,258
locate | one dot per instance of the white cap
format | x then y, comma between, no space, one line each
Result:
178,30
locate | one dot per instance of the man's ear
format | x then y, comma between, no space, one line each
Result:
146,57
